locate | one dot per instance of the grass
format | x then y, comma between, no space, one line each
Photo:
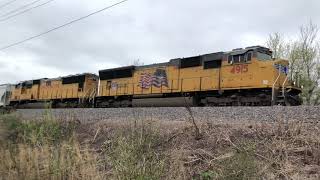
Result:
151,149
66,161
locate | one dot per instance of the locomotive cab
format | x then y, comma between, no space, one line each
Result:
254,68
284,90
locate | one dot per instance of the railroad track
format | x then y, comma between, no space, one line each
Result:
227,114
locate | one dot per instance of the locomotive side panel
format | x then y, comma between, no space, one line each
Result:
141,81
178,75
144,80
50,89
69,87
154,80
199,79
26,91
116,87
200,73
15,96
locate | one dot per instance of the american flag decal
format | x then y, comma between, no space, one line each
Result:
158,79
145,80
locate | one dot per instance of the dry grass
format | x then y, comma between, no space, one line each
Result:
151,149
248,151
67,161
133,153
44,150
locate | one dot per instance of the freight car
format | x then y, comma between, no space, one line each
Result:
5,93
241,77
70,91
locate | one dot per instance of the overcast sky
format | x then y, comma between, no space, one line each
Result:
149,30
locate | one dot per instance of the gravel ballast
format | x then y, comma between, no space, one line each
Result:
275,113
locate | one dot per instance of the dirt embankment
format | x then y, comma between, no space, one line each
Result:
245,150
147,148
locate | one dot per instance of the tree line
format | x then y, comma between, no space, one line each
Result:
303,53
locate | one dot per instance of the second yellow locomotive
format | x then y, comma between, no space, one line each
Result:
69,91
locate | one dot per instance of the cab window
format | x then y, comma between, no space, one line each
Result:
263,56
248,56
230,59
240,58
236,59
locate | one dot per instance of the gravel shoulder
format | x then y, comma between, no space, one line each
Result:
230,114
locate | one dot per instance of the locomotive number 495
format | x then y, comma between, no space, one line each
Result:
239,68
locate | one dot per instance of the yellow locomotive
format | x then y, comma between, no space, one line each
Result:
70,91
241,77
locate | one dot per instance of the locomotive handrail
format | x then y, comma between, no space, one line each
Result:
98,88
283,86
273,86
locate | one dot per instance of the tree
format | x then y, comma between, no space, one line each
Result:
309,57
294,62
137,62
303,55
277,44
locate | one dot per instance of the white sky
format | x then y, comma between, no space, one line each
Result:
149,30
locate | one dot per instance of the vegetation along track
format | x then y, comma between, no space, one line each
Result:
230,114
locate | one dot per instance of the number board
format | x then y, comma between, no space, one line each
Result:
239,68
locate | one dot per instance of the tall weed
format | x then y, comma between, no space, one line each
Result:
133,153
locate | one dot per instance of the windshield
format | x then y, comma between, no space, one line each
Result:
263,56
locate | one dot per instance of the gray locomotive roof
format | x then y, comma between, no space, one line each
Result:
211,56
242,51
58,78
72,75
153,65
119,68
137,67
